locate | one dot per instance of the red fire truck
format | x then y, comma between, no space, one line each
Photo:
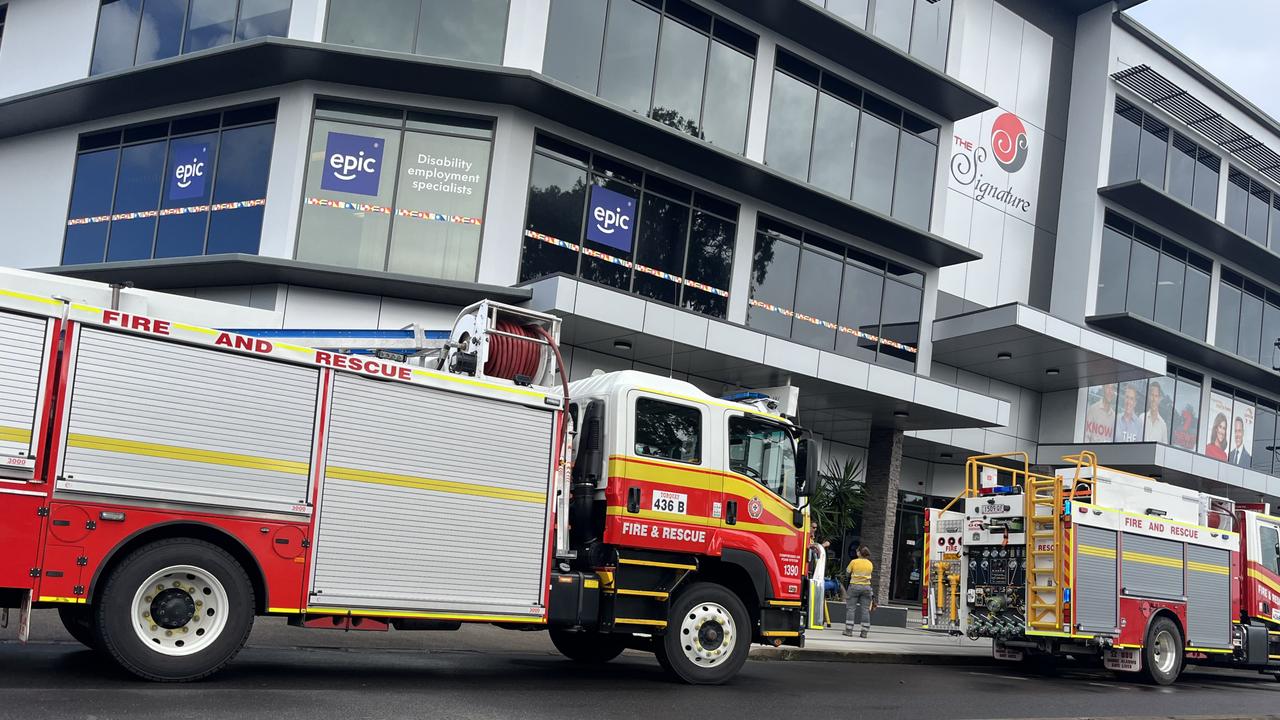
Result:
162,484
1092,561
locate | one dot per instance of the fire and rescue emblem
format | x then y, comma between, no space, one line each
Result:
755,508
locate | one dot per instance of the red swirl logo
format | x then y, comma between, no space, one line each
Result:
1009,142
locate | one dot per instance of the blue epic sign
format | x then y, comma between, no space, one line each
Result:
611,218
352,164
188,169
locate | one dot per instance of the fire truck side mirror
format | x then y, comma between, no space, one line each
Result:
807,464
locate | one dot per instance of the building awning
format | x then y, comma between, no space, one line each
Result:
1193,225
1173,465
827,34
269,62
839,397
1177,345
238,270
1030,348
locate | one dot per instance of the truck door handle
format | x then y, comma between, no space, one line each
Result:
731,513
633,500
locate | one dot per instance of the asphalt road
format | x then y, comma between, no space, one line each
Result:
484,672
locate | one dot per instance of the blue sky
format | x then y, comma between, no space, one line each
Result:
1233,39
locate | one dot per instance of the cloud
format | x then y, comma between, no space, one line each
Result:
1233,39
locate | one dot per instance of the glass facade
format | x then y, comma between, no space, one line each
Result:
133,32
472,30
396,190
1164,410
1144,148
918,27
1240,429
614,224
671,61
1144,273
191,186
850,143
823,294
1252,209
1248,319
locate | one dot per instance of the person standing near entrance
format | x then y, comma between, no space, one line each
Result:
858,602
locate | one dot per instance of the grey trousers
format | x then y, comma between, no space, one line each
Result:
858,607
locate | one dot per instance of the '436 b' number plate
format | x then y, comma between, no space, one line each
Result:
669,502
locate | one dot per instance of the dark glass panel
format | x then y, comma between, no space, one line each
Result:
1250,326
913,183
210,23
1169,291
1237,200
160,33
892,22
860,298
91,193
710,263
1259,211
1268,355
735,36
817,299
1113,272
575,36
791,117
677,91
773,285
1125,129
191,163
661,245
1182,168
1228,332
382,24
244,162
1152,150
1262,454
835,137
876,161
1143,263
557,199
728,97
137,191
612,269
117,38
900,322
1205,198
929,32
1195,303
853,12
263,18
473,30
1273,238
630,50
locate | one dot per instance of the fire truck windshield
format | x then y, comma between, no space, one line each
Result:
765,452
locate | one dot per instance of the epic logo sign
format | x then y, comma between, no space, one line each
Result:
188,168
611,219
1009,142
353,164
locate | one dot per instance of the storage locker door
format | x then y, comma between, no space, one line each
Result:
1208,597
432,501
22,342
157,419
1152,567
1096,592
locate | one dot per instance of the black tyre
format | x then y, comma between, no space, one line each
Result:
590,648
708,635
78,620
1163,652
175,611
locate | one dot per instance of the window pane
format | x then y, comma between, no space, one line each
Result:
1186,423
773,285
382,24
860,296
575,36
1259,210
1205,197
892,22
1228,332
1133,403
1264,430
664,232
1237,200
1151,151
244,162
1270,334
710,263
346,213
728,97
1270,540
677,92
1159,413
900,325
1169,291
817,299
929,31
1100,414
1250,326
764,452
463,29
1113,271
160,34
187,186
1143,262
1182,168
137,190
88,217
1195,304
211,23
1273,238
791,114
439,206
608,247
117,37
853,12
262,18
913,182
1241,437
877,158
668,431
1125,129
835,137
630,50
557,198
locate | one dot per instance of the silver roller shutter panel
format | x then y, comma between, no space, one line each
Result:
1208,597
432,501
1096,592
1152,567
21,353
151,418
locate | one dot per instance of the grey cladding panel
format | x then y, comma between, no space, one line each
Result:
21,351
1096,596
432,500
1208,597
1152,567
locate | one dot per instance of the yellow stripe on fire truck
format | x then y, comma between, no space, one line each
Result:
174,452
649,470
444,486
1157,560
1101,552
13,434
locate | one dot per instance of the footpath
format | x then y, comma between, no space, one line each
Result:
908,646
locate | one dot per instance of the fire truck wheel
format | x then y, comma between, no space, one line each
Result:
78,620
1162,654
708,635
588,647
175,611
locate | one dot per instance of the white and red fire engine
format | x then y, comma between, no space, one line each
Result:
165,483
1095,561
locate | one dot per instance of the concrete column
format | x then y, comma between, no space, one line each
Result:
880,504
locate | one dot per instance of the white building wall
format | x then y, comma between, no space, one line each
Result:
35,181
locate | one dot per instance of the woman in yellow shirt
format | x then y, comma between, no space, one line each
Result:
858,602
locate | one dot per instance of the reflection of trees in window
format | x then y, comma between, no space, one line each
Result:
669,431
674,119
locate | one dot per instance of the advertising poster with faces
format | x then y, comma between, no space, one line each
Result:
1217,432
1132,405
1240,439
1100,414
1158,417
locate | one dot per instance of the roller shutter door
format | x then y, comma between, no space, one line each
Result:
1152,567
21,354
1208,597
1095,596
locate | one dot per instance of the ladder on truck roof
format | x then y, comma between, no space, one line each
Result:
1049,562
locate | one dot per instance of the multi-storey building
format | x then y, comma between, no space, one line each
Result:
954,226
